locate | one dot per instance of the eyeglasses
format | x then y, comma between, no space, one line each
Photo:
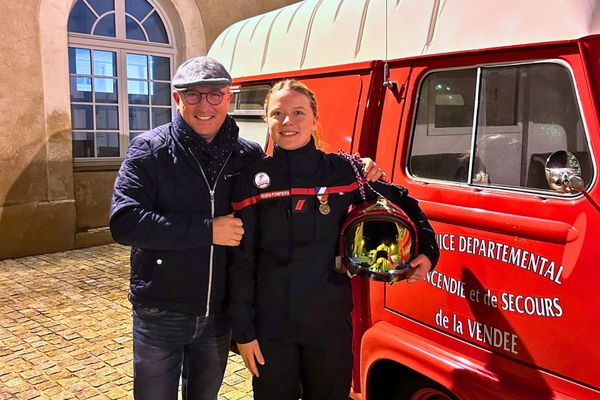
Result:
213,98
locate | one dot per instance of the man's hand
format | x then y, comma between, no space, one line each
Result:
420,266
227,230
372,170
251,353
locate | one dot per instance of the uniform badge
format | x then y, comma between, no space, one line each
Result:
322,196
262,180
300,204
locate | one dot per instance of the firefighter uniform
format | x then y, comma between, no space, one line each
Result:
284,290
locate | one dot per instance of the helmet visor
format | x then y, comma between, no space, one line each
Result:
378,245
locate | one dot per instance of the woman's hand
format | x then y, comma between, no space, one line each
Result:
251,353
420,266
372,170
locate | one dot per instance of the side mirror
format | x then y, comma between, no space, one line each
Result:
563,172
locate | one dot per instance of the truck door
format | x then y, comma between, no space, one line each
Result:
516,284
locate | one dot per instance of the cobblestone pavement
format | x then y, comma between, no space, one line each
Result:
65,328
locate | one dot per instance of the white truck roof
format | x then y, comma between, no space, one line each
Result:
319,33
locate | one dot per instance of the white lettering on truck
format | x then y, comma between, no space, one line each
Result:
537,306
493,336
507,254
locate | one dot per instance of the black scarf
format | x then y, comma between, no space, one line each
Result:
212,156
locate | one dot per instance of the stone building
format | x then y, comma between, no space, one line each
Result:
79,78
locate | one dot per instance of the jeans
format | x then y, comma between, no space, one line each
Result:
168,345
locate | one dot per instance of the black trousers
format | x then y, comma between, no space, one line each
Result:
308,361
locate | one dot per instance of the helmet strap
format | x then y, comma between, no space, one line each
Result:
359,171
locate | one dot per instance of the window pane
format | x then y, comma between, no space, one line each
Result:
107,144
83,144
107,117
79,61
452,99
498,128
134,30
106,26
137,8
102,6
105,90
234,101
139,118
137,92
160,68
499,97
137,66
81,117
541,100
156,29
525,113
81,88
442,134
81,18
161,93
252,99
104,63
160,116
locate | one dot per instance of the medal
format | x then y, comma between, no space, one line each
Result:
322,197
324,207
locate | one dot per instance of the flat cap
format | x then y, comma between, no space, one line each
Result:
201,71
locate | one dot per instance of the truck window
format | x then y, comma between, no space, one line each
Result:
497,125
247,109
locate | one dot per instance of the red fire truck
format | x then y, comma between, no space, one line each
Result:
487,111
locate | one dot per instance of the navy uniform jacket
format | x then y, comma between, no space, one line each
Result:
161,206
284,268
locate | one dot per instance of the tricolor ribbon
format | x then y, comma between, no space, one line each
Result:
321,193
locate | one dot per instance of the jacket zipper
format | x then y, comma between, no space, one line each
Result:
211,190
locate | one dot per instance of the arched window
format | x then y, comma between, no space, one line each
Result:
120,63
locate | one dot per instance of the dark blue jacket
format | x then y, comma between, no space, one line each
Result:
161,206
283,271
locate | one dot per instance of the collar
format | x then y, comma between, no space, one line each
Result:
279,152
227,136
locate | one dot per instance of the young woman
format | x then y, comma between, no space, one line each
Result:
290,308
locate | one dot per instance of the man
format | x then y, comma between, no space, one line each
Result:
171,203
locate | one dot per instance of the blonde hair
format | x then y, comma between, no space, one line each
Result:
297,86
